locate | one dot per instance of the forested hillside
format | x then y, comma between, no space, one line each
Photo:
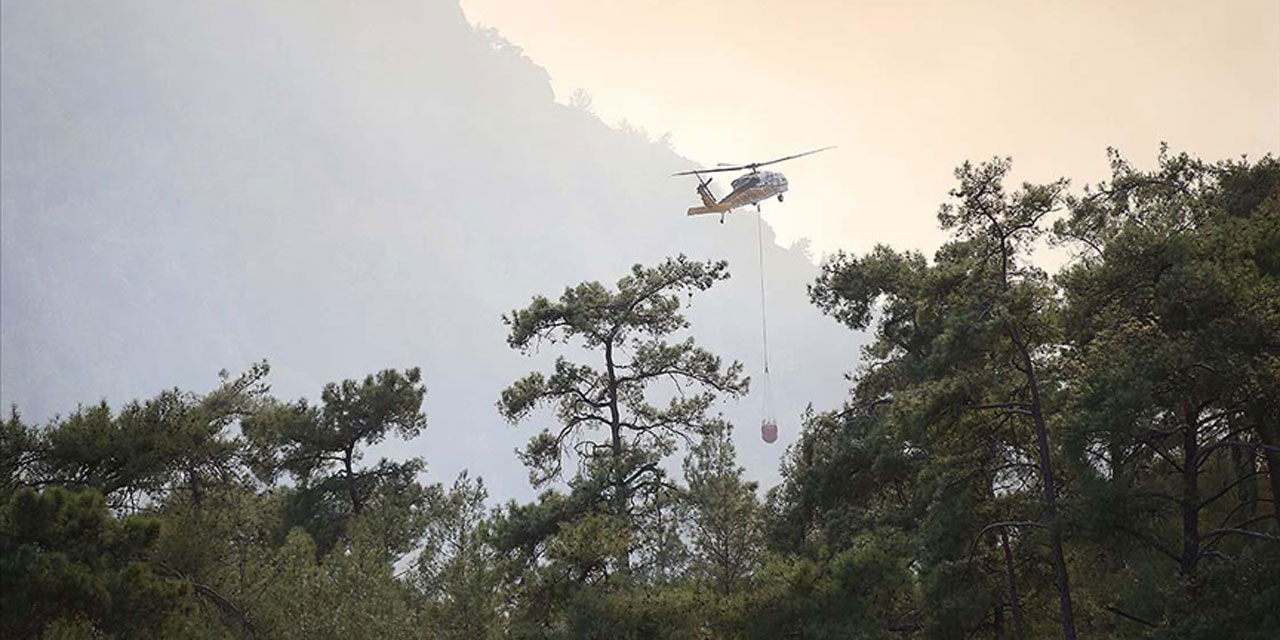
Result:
1091,453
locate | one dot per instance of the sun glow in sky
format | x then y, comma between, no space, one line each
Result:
908,90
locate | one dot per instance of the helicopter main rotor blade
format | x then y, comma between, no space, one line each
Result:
702,171
793,157
750,166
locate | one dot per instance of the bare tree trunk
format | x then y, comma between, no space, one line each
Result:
352,491
620,497
615,431
1050,491
998,615
1190,496
1013,585
193,478
1042,449
1271,451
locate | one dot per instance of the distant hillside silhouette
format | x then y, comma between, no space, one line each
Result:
339,188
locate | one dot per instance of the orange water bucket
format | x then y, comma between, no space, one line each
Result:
768,431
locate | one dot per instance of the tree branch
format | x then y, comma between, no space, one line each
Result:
1229,488
1128,616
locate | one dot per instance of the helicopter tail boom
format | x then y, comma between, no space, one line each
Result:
697,211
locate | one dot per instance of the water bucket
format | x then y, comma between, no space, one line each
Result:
769,431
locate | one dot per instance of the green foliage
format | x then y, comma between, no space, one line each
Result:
1173,316
67,566
19,450
1009,439
351,592
1147,365
458,570
74,567
862,591
1235,598
958,389
321,447
626,328
725,521
311,442
176,439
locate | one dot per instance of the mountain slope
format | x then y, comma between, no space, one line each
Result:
338,188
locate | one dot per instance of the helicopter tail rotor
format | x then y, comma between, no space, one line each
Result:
704,191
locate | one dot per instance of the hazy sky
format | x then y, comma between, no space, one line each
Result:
910,89
339,187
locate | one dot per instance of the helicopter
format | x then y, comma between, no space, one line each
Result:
749,189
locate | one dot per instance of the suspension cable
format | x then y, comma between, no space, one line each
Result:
764,317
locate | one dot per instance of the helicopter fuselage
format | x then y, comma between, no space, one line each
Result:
748,189
754,187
